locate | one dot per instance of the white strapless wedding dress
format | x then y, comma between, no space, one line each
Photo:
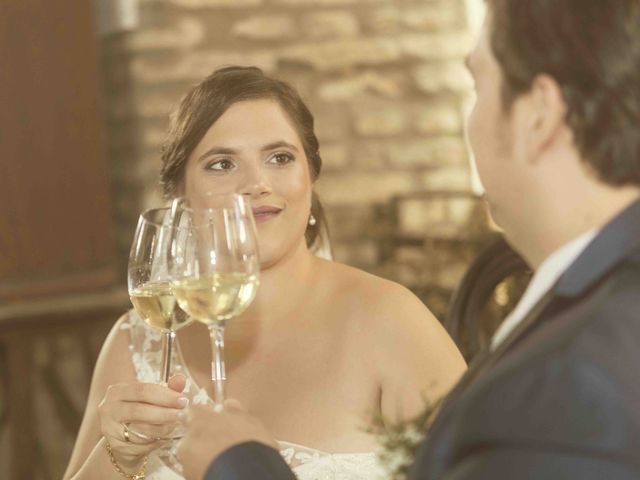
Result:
306,463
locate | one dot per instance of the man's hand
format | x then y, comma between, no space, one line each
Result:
209,433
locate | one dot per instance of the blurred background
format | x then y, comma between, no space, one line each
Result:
85,93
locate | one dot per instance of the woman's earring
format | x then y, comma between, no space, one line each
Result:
312,220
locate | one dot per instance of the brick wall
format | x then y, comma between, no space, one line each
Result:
385,81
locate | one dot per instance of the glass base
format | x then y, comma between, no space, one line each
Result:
167,454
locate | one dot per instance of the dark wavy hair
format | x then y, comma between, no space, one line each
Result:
208,100
592,49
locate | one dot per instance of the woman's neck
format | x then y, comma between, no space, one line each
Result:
281,284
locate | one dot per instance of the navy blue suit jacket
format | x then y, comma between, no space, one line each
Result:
558,400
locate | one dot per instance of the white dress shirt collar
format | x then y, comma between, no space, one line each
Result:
544,278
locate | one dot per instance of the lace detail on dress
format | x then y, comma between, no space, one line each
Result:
311,464
306,463
146,354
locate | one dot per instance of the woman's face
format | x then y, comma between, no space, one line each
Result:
253,149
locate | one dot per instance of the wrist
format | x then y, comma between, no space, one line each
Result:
129,463
130,467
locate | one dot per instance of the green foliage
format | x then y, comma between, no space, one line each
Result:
400,440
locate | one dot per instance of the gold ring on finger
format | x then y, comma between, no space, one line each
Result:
125,432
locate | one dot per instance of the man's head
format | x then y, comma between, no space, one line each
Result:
558,102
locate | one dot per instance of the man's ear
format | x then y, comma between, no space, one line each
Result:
546,115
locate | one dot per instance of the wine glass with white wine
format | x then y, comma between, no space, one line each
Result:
214,266
150,287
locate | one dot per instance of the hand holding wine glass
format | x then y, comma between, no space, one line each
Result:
214,266
150,288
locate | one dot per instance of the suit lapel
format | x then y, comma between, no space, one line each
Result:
487,357
617,240
483,362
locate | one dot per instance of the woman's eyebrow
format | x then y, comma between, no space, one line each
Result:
231,151
218,151
278,144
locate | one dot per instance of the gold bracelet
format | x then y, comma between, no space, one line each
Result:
141,475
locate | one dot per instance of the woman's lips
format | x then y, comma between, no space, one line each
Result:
265,213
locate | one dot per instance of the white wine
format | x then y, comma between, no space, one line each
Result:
216,297
156,305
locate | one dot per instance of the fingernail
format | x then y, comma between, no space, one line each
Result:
183,402
182,416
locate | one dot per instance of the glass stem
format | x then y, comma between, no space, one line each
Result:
218,376
169,338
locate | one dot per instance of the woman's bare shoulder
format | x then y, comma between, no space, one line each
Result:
385,308
376,297
406,342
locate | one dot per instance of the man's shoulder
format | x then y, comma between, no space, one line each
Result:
610,313
573,379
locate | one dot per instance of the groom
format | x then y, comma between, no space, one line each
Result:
556,136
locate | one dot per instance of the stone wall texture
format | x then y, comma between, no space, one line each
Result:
386,83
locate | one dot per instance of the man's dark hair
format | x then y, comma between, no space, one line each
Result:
592,49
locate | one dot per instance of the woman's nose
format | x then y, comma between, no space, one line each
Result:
255,184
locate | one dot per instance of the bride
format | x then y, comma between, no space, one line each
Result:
322,349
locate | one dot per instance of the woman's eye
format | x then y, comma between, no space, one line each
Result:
281,158
220,165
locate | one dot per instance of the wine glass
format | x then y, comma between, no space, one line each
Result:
214,266
150,287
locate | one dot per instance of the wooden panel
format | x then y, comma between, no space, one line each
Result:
21,412
55,220
28,398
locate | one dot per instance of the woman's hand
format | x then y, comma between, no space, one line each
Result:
150,409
